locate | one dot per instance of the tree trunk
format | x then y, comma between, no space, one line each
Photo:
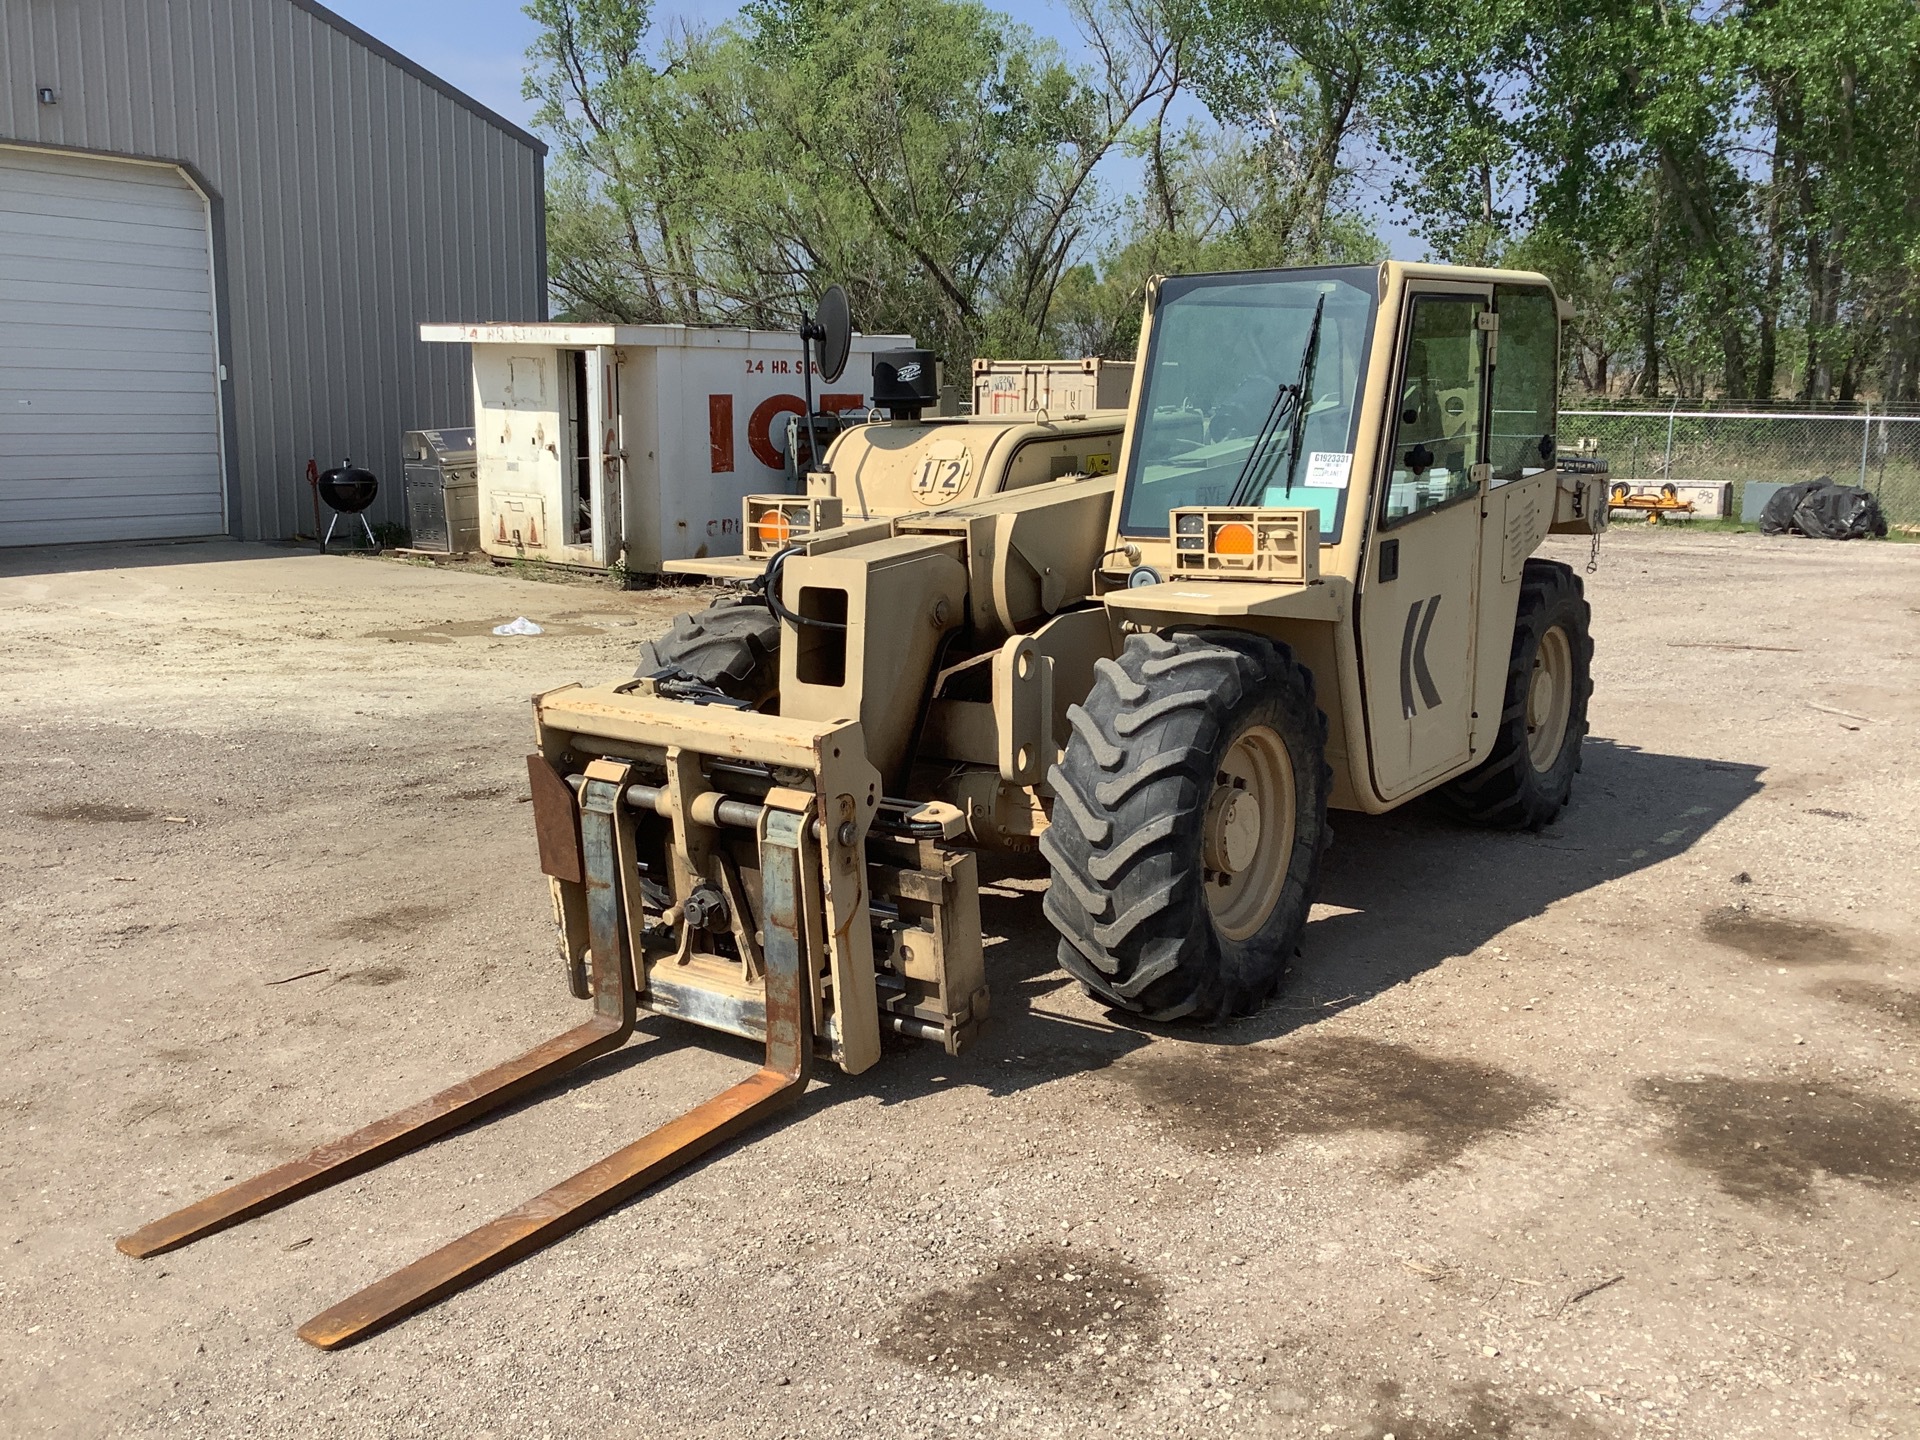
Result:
1683,185
1650,339
1901,377
1766,364
1823,312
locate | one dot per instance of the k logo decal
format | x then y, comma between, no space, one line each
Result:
1413,658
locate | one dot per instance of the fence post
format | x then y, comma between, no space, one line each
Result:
1866,429
1666,472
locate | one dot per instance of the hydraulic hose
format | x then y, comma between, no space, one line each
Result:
771,590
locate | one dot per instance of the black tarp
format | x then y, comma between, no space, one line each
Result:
1824,511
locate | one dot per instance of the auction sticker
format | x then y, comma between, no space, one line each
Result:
1328,468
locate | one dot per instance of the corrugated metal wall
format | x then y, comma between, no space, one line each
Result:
354,198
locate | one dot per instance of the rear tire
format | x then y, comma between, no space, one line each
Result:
732,645
1189,822
1528,779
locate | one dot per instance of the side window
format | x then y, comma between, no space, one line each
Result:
1526,383
1436,440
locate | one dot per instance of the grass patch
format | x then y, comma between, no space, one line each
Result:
1907,536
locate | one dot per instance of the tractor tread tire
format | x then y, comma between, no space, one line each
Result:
1506,792
732,645
1131,791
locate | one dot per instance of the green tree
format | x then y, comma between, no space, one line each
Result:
932,155
1744,172
1265,179
1732,194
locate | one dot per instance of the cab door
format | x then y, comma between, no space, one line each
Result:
1522,416
1420,591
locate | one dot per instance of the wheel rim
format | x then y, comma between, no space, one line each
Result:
1247,833
1549,699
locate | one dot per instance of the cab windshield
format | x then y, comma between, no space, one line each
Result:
1224,349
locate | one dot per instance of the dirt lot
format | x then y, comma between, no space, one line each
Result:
1611,1131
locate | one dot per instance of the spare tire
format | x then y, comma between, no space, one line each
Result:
732,645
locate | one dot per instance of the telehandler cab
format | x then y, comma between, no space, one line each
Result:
1308,585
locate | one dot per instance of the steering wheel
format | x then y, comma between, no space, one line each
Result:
1244,411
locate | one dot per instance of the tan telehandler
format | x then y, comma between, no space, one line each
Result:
1308,584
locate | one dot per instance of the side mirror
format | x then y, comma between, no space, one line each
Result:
834,322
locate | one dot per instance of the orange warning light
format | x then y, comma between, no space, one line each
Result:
1234,539
773,529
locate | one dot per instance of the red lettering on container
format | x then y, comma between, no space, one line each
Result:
720,432
760,428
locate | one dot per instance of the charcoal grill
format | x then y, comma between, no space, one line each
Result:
349,490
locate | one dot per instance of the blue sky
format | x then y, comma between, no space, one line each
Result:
480,46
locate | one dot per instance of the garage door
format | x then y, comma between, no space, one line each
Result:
109,412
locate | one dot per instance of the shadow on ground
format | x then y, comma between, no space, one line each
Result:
79,559
1407,892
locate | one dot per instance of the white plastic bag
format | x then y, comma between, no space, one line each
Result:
518,626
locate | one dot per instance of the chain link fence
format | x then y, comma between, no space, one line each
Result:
1875,448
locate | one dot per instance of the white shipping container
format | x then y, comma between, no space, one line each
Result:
597,443
1058,387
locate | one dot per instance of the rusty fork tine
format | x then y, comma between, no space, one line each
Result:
625,1173
557,1213
613,1004
377,1143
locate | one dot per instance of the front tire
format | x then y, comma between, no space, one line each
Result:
733,645
1189,822
1528,779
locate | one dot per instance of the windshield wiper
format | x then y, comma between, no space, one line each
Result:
1289,408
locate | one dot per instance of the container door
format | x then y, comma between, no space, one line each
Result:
1418,604
607,454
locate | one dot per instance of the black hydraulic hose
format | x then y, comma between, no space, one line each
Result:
926,706
771,592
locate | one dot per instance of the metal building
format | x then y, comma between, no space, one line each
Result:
222,223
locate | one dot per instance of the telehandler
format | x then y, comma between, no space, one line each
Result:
1309,584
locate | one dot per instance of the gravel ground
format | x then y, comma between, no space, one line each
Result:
1610,1131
